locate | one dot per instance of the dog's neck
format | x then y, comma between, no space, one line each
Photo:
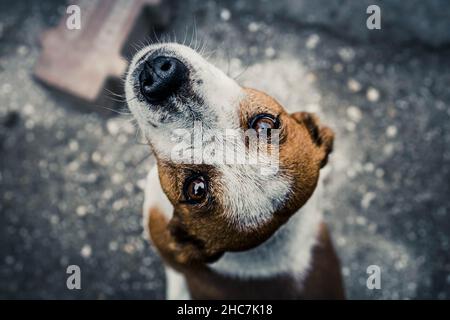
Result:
287,251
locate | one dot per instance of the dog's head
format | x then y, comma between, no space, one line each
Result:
223,205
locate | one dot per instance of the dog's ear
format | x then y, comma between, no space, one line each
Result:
322,137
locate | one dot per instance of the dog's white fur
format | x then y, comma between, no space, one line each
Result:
250,204
249,197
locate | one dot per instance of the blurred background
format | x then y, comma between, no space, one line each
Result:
71,171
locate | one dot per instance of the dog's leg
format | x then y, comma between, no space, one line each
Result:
176,288
155,198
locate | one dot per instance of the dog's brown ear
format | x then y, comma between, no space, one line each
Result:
322,136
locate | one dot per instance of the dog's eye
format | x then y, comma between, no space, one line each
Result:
195,189
263,122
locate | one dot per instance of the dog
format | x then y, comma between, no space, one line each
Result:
226,231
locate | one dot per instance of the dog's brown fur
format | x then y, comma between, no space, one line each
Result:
324,280
199,234
203,232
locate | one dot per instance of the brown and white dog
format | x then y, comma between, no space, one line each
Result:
226,230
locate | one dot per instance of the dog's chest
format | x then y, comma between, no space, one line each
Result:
321,279
288,251
276,268
209,284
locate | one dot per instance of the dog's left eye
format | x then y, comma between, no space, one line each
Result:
263,122
195,189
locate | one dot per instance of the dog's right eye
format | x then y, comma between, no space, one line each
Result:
195,189
264,122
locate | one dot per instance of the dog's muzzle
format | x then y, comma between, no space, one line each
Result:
161,77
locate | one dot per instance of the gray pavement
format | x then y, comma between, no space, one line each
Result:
71,177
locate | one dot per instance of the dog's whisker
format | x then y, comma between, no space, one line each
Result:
211,53
137,137
174,37
185,35
192,35
113,110
204,46
156,36
115,94
242,72
140,162
135,48
119,99
227,52
198,39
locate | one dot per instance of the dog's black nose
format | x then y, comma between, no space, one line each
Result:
161,77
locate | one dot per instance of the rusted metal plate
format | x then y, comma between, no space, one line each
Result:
79,61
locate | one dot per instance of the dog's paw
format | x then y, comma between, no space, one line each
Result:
321,135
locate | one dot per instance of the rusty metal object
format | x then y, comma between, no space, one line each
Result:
79,61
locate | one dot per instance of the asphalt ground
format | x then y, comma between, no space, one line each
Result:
71,177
